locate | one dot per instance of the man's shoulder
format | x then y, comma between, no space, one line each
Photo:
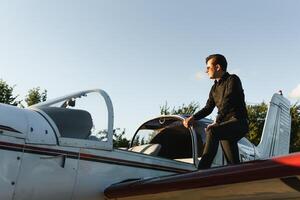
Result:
234,77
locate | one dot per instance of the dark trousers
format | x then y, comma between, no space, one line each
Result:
228,133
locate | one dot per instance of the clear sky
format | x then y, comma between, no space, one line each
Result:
147,52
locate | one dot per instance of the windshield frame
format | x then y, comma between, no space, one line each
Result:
107,145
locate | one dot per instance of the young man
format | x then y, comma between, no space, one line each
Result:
231,123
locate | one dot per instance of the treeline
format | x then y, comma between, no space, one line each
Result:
7,96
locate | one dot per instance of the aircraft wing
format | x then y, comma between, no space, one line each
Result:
276,178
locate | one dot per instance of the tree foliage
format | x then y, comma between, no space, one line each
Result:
295,129
6,94
35,96
119,140
183,109
257,114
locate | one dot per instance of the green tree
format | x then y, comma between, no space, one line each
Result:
257,114
6,94
35,96
136,141
119,140
183,109
295,129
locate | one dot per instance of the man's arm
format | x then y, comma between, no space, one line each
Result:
209,107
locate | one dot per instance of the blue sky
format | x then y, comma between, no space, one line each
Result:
147,52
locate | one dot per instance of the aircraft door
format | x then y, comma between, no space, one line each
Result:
47,172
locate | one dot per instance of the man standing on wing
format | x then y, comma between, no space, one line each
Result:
231,123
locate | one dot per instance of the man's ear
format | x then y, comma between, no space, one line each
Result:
218,67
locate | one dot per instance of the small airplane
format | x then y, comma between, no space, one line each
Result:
63,149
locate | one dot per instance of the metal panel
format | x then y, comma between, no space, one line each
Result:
10,162
14,118
39,130
90,144
96,175
42,176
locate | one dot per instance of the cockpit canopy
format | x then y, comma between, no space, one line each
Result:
168,138
81,116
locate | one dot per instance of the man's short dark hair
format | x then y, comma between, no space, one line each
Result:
218,59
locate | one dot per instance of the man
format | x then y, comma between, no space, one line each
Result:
231,123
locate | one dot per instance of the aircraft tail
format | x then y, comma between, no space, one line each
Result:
276,133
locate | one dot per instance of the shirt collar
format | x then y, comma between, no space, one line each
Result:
223,78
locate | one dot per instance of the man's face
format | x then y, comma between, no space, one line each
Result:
211,69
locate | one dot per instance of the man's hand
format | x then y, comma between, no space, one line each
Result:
210,125
188,122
